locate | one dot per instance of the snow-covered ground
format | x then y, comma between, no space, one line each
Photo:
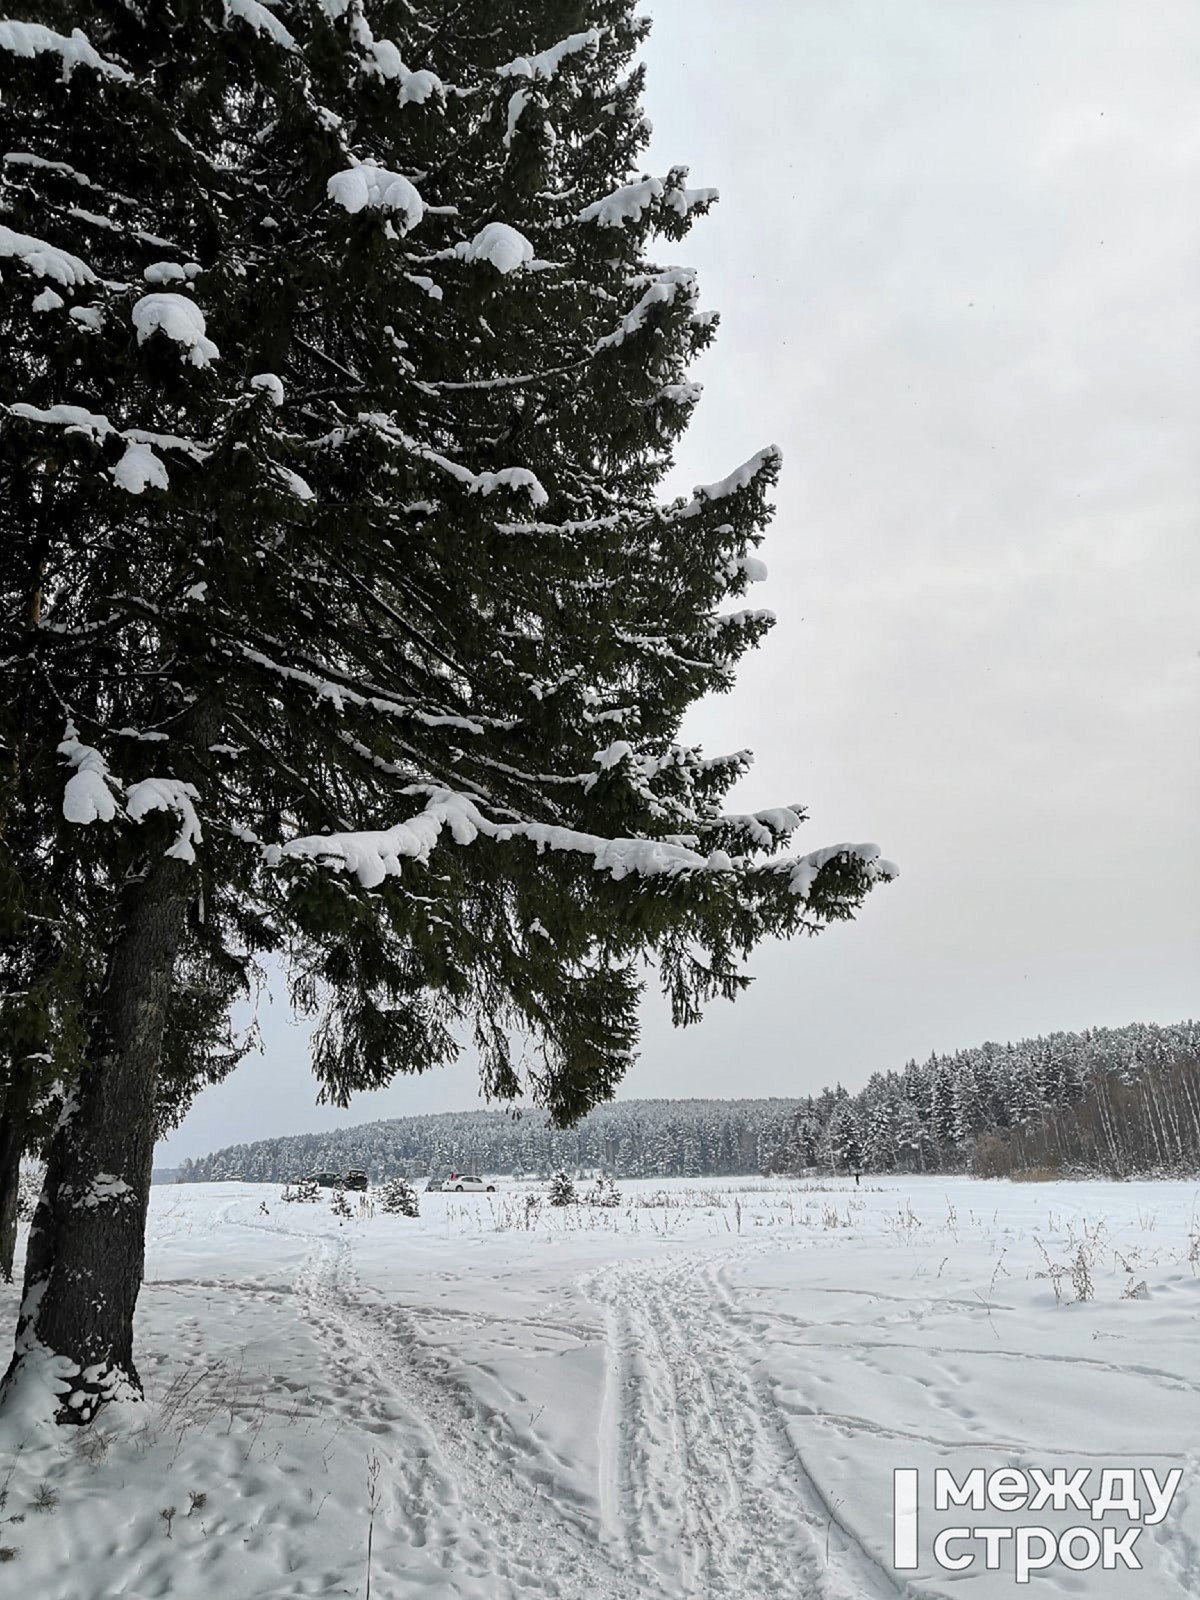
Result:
704,1398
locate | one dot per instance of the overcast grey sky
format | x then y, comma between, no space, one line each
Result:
956,257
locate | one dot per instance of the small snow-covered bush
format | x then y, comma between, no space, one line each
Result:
562,1190
603,1193
340,1206
398,1196
306,1192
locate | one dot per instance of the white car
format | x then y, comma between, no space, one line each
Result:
461,1181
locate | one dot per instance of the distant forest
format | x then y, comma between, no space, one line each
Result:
627,1138
1110,1101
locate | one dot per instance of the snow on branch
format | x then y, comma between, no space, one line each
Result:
626,204
747,617
373,856
740,478
168,794
340,695
763,829
752,568
370,187
139,467
802,872
504,247
260,19
661,290
682,200
30,39
75,419
476,482
381,58
547,62
270,385
45,260
89,795
180,319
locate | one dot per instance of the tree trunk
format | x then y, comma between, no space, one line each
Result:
84,1263
14,1120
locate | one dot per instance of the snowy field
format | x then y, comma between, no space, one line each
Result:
705,1397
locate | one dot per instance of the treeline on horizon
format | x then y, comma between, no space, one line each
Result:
626,1138
1109,1101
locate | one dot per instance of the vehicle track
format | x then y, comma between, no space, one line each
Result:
703,1494
704,1466
457,1486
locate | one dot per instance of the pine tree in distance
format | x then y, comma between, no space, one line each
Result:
342,619
398,1195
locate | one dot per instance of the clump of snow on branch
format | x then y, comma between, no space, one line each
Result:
475,482
171,271
681,394
415,87
168,794
271,385
802,874
381,58
682,200
139,468
45,260
740,619
91,793
662,289
260,19
517,102
623,205
373,856
368,186
179,319
504,247
510,478
300,487
89,316
740,478
547,62
88,796
75,419
31,39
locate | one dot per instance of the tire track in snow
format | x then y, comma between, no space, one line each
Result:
458,1489
643,1452
724,1486
859,1574
703,1495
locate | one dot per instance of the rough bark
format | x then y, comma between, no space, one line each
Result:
84,1262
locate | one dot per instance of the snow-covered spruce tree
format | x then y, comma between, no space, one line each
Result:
562,1190
398,1195
339,379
